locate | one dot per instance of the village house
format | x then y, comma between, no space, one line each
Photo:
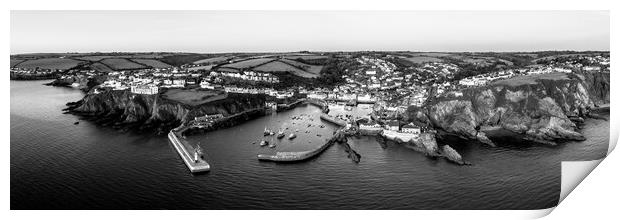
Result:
369,126
144,89
411,129
209,117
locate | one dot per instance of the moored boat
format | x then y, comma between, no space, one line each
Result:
266,132
280,134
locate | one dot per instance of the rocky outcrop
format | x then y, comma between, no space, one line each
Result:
123,109
452,156
83,83
426,143
545,110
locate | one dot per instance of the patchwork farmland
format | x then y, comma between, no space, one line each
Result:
49,63
152,63
121,64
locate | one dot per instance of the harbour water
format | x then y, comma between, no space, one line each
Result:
58,165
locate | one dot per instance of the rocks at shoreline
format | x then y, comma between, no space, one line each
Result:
451,155
426,143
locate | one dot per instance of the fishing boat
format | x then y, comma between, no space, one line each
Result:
280,134
264,143
266,132
292,136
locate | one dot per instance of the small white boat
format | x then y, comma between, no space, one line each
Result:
266,132
280,134
292,136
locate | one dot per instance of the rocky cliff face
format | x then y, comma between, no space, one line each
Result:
544,110
84,83
124,109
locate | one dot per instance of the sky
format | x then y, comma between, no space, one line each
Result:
284,31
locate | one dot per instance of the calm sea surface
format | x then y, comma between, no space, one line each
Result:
58,165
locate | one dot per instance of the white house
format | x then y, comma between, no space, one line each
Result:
144,89
411,129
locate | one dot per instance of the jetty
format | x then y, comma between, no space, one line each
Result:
186,151
302,155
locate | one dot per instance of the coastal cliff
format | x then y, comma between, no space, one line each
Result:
125,110
543,108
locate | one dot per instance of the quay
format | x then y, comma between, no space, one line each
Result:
182,148
332,119
284,107
319,103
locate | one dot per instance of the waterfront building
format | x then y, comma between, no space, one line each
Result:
144,89
371,125
178,82
411,129
209,117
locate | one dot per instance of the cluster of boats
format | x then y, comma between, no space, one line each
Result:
280,135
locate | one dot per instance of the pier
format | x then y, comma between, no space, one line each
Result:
185,151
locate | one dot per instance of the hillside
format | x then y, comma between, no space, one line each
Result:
540,108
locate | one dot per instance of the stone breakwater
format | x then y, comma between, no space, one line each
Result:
545,110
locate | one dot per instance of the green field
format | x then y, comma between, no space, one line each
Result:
314,69
15,62
194,97
278,66
214,60
432,54
93,58
49,63
100,67
121,64
152,63
422,59
556,56
530,79
248,64
224,69
306,57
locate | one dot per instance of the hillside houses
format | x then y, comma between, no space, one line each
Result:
248,76
145,89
